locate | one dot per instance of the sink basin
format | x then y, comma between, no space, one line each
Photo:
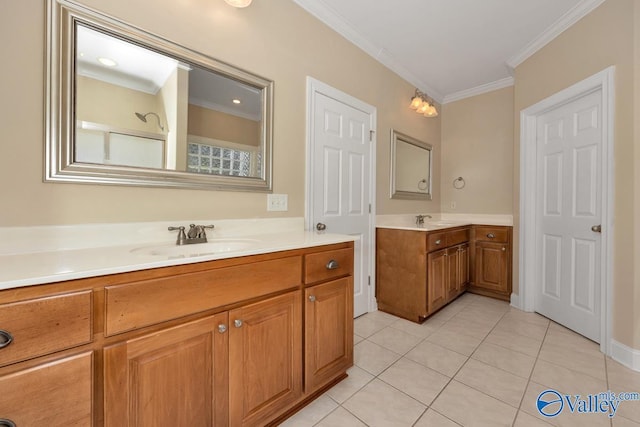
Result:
213,246
439,223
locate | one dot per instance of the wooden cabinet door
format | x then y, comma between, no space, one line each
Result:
438,274
491,266
175,377
58,393
328,331
463,267
265,358
453,273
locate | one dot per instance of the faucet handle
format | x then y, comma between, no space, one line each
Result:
181,234
201,230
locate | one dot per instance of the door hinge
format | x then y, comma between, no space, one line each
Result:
371,132
369,207
369,282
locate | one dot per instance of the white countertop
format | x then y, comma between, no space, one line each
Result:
440,221
70,261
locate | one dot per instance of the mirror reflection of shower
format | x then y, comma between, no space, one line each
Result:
143,117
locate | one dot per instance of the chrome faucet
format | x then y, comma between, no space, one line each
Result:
196,234
420,219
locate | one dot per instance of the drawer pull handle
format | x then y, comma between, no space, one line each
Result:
504,249
5,340
332,265
222,328
438,241
491,235
237,323
6,423
312,298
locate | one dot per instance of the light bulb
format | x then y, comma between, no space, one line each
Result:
423,108
238,3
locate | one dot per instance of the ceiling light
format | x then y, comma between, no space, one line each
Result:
238,3
107,62
423,104
236,101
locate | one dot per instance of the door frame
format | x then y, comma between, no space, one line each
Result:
528,251
315,87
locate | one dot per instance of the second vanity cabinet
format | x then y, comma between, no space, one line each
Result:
418,272
236,342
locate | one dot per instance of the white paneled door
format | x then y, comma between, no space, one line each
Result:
341,180
568,232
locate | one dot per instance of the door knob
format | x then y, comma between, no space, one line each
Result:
321,227
597,228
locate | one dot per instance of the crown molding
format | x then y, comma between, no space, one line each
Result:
334,21
572,16
479,90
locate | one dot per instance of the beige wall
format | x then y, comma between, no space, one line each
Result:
109,110
603,38
477,144
274,38
226,127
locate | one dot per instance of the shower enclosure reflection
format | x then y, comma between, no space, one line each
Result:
206,123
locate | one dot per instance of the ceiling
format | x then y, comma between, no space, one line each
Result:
451,49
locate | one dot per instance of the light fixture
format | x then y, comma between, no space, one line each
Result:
236,101
238,3
107,62
143,117
423,104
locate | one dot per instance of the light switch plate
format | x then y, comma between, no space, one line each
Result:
277,202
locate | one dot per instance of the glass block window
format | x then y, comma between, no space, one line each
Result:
203,158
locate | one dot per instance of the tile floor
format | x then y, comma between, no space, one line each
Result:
477,362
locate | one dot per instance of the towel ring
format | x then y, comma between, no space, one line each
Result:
422,184
459,183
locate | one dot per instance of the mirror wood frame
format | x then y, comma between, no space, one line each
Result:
395,193
62,18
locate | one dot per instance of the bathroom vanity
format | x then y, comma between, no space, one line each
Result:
420,269
238,341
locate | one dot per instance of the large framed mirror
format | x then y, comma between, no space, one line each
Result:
127,107
410,167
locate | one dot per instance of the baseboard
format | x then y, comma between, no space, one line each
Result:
515,301
629,357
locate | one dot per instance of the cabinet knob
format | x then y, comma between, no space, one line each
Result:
491,235
5,339
222,328
237,323
332,265
446,254
312,298
504,249
6,423
438,241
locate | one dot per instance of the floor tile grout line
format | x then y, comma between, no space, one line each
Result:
533,368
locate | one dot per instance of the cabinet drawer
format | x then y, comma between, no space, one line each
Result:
458,236
436,241
328,265
53,394
492,234
44,325
148,302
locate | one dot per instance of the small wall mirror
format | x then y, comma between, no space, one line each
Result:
127,107
410,167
